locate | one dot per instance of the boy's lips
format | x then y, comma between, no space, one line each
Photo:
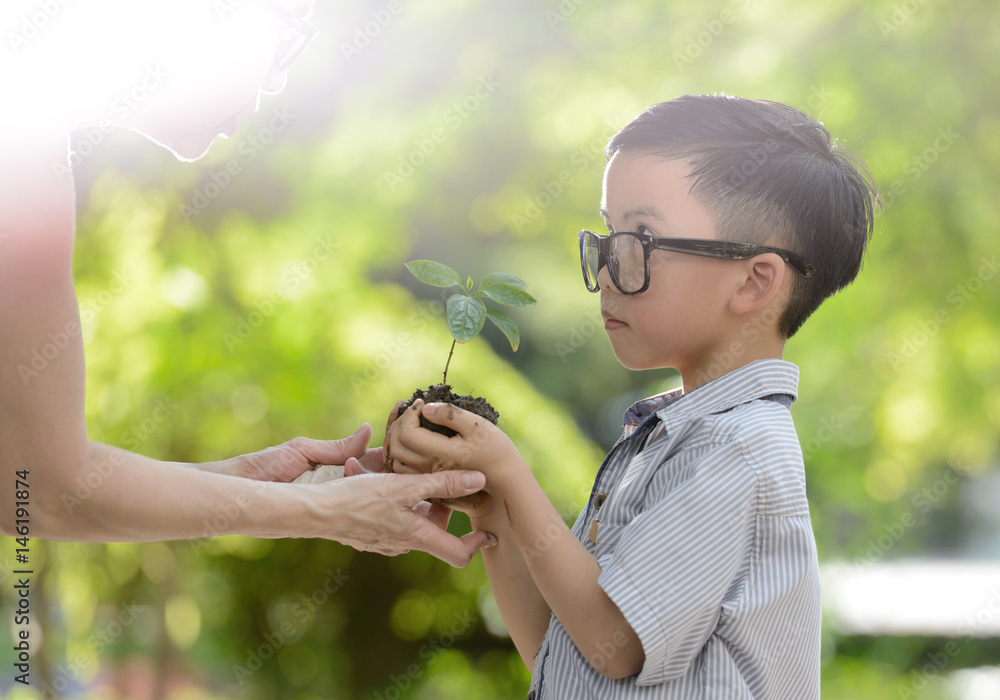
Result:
610,322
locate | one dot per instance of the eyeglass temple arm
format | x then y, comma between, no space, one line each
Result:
734,250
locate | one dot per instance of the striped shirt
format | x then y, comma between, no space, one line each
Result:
700,523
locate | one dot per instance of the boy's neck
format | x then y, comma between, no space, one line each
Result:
729,356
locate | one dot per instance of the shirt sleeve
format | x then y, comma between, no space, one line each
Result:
677,562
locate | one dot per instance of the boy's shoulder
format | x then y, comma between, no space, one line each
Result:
748,408
772,381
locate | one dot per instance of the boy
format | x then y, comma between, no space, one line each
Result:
692,571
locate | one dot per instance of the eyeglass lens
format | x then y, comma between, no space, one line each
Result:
626,262
591,249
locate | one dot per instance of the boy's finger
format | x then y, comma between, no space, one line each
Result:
407,420
402,454
408,443
393,416
466,503
404,468
450,416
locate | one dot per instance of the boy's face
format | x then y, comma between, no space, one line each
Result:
679,321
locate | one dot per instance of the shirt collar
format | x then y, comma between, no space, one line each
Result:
756,380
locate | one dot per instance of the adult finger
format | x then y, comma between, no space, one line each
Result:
334,451
324,472
438,515
353,467
454,550
372,460
478,539
444,484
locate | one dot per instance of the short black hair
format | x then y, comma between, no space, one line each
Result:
768,174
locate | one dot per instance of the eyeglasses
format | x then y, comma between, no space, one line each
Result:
626,253
301,33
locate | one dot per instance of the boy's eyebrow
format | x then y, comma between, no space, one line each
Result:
636,213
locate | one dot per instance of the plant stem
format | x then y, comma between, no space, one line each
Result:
444,380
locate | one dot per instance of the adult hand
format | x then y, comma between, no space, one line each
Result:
288,460
388,514
437,510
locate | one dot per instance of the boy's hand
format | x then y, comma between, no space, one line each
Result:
393,415
477,505
478,445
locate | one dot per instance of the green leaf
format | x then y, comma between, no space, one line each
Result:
507,294
466,316
434,273
506,326
502,278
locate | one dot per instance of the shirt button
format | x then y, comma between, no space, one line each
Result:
531,695
599,500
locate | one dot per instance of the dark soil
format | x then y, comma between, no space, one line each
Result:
442,393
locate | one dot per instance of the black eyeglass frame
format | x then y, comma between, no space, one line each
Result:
709,248
303,35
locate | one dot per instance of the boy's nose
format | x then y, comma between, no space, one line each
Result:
604,281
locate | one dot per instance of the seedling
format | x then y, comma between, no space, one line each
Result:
466,311
466,314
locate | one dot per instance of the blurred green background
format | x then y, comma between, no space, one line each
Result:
260,294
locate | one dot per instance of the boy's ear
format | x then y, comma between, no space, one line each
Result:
761,285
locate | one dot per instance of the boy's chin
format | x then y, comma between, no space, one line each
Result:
630,362
640,363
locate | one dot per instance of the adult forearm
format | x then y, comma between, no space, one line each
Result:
115,495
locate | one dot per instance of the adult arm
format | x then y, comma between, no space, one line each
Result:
128,496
